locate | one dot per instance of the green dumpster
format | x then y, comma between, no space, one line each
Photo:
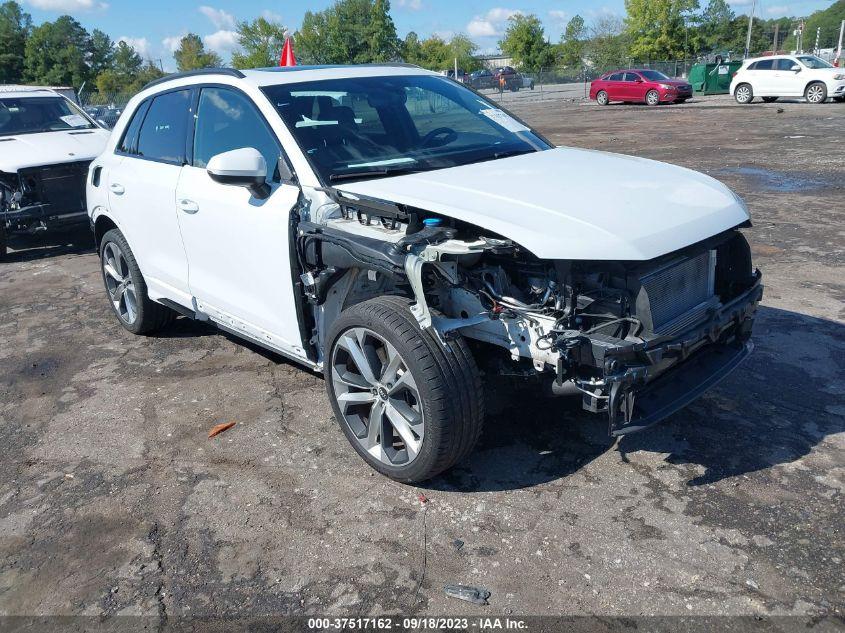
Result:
713,79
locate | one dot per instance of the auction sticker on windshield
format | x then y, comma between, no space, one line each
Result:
74,120
505,120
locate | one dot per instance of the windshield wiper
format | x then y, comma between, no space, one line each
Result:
513,152
373,173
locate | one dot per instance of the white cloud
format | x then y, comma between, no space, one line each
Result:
223,41
411,5
557,15
172,43
778,10
271,16
218,17
140,44
492,23
69,6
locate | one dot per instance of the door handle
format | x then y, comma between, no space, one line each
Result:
188,206
117,188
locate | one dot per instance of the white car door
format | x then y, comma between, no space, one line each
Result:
142,189
237,244
786,82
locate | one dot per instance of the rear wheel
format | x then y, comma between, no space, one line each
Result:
409,404
769,99
602,98
652,98
744,94
126,288
816,93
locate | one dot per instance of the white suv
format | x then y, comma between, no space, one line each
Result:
788,76
397,231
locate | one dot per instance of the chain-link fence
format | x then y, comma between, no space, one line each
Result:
105,109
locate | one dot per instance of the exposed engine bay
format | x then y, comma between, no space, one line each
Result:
605,330
37,198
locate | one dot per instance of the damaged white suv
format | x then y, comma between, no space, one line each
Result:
400,233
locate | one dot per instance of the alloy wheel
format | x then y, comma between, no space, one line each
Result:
602,98
815,94
119,283
377,396
652,98
743,94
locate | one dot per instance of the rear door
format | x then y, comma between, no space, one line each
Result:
238,245
142,190
763,77
615,87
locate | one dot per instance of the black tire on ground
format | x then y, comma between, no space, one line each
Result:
744,94
447,379
839,99
652,98
769,99
150,316
816,92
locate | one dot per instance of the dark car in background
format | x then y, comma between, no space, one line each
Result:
481,79
639,86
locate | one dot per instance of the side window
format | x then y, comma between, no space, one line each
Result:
785,64
766,64
615,77
129,143
162,136
228,120
631,77
752,66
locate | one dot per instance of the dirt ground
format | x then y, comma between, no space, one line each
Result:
114,501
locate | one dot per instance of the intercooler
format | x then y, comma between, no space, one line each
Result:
678,294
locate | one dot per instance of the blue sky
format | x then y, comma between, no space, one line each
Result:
154,27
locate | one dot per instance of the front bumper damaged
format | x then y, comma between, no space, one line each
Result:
644,383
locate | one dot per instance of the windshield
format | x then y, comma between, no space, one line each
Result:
372,126
29,115
811,61
653,75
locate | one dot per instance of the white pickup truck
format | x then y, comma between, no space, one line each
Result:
351,218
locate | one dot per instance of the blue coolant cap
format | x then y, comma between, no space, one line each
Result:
433,221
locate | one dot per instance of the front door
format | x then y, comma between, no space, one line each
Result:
787,82
142,185
238,245
635,88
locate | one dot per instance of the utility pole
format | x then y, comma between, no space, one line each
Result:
750,24
775,45
818,36
839,48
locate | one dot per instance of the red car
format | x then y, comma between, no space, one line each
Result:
640,86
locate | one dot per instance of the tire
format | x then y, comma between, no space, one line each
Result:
652,98
769,99
126,289
601,98
443,394
744,94
839,99
816,93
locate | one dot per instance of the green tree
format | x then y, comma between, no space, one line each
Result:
525,42
192,55
56,53
340,34
15,26
125,67
608,44
100,52
716,24
148,72
657,29
464,50
262,41
411,49
384,45
573,42
435,53
828,20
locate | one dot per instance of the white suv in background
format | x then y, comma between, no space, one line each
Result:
788,76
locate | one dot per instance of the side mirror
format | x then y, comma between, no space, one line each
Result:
244,167
795,68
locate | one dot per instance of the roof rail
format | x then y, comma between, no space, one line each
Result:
17,88
231,72
283,69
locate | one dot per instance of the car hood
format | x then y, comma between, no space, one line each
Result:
568,203
50,148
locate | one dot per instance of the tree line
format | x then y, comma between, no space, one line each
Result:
63,52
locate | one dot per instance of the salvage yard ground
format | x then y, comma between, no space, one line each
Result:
114,501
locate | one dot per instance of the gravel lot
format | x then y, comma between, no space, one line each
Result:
114,501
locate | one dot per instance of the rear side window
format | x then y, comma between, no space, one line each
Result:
615,77
631,77
227,120
129,143
766,64
162,135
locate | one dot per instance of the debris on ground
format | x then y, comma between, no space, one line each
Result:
458,543
476,595
217,430
423,499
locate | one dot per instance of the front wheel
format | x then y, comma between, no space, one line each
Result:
816,93
409,404
126,289
602,98
744,94
652,98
